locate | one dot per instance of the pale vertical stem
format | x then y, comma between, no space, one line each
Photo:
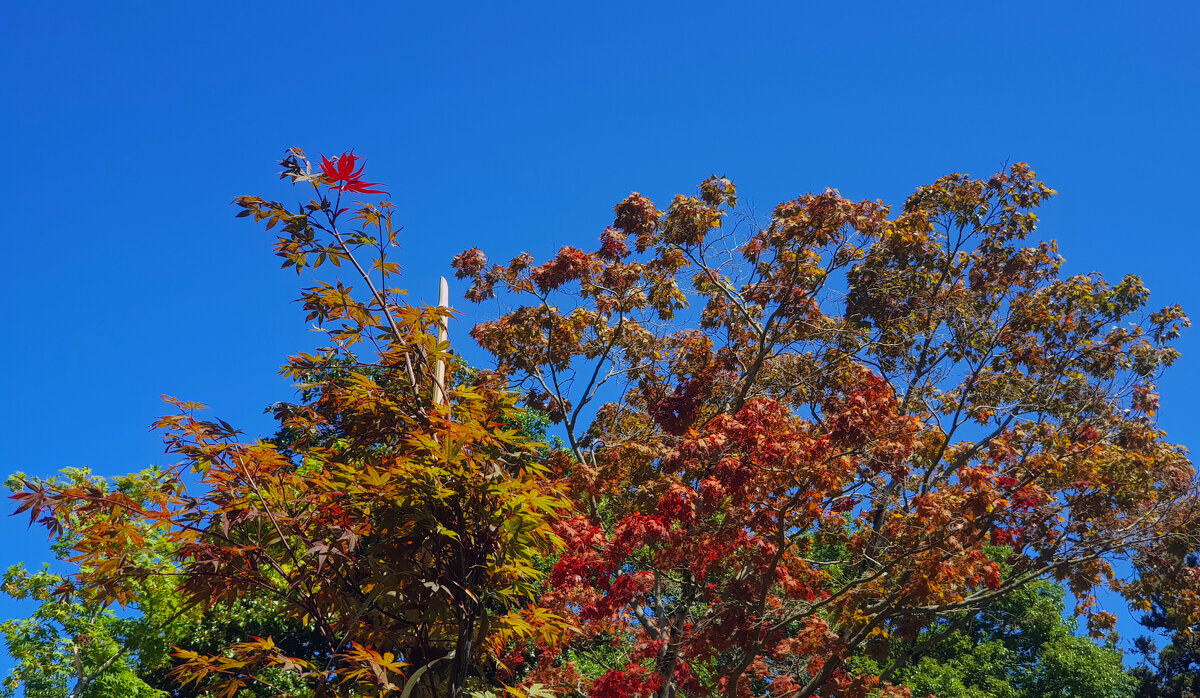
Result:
439,378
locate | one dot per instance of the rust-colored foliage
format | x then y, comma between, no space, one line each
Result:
401,533
798,453
871,422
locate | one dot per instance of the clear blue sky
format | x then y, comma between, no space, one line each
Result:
129,127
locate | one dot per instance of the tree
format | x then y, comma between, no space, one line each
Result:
74,645
871,444
395,527
1019,647
818,457
1170,593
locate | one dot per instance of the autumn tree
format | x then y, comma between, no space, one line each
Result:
793,441
394,522
807,456
73,645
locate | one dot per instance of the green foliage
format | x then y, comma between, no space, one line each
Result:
1020,648
63,640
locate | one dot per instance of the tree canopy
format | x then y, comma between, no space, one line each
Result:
846,451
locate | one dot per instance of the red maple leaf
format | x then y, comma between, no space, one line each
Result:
341,172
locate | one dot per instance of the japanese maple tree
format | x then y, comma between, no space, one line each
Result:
396,531
795,441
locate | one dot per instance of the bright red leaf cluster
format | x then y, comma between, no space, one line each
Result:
341,173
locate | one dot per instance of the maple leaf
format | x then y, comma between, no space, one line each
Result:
341,171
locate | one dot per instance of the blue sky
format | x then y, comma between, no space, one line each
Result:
129,127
